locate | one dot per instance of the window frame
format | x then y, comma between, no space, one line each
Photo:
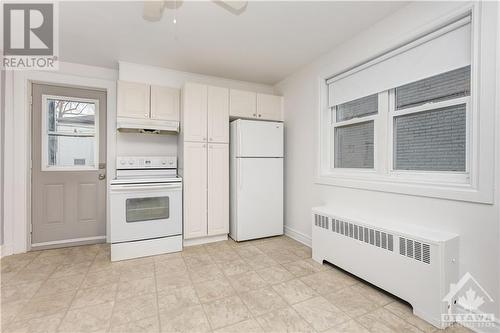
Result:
45,134
353,121
429,176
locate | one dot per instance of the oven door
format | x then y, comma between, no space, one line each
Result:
145,211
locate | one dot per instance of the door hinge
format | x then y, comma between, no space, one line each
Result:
31,99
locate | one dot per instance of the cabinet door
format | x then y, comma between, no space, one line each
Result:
218,114
242,104
195,189
165,103
218,189
194,112
269,107
133,100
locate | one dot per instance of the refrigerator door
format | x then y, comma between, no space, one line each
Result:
259,138
259,198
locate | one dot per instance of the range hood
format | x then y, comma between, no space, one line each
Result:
147,125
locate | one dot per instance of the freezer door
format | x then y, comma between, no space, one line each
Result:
259,186
259,139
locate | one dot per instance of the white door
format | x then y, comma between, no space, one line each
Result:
195,112
133,100
259,195
218,114
258,138
165,103
269,107
195,189
218,189
242,104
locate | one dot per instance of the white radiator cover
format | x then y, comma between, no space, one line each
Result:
414,264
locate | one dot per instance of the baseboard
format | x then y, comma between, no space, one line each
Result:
5,250
205,240
298,236
68,242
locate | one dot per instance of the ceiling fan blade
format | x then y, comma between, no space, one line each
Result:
234,7
153,10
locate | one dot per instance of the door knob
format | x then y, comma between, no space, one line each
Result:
102,176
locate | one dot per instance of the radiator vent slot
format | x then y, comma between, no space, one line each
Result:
415,250
322,221
363,234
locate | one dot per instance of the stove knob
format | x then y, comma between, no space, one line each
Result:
163,162
122,162
131,162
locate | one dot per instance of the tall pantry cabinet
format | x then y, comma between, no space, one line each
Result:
205,150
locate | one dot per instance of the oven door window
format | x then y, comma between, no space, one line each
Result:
147,209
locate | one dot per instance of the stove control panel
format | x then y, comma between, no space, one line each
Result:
146,162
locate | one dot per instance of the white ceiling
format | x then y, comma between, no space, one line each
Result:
269,41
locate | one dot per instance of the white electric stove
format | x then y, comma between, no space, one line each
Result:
146,207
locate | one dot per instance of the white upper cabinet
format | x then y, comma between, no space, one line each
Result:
194,113
242,104
133,100
218,189
143,101
218,114
165,103
269,107
246,104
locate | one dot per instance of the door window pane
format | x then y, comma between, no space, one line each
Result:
354,145
71,133
147,209
361,107
431,140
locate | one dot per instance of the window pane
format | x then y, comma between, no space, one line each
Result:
70,133
441,87
69,151
354,145
432,140
358,108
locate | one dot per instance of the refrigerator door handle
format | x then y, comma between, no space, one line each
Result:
238,171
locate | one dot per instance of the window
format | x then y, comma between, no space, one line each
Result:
354,133
430,123
70,139
408,121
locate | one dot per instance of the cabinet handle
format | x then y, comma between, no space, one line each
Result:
146,115
260,115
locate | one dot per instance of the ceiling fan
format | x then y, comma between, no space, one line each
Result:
153,10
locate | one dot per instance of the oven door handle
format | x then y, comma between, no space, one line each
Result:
134,187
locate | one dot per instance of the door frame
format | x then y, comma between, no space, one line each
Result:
18,235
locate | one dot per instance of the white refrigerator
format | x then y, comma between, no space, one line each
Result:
256,179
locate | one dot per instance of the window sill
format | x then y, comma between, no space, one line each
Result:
406,186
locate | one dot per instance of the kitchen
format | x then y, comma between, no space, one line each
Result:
193,125
250,166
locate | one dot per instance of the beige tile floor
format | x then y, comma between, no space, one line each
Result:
269,285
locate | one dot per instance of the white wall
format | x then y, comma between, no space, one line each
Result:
129,144
477,224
